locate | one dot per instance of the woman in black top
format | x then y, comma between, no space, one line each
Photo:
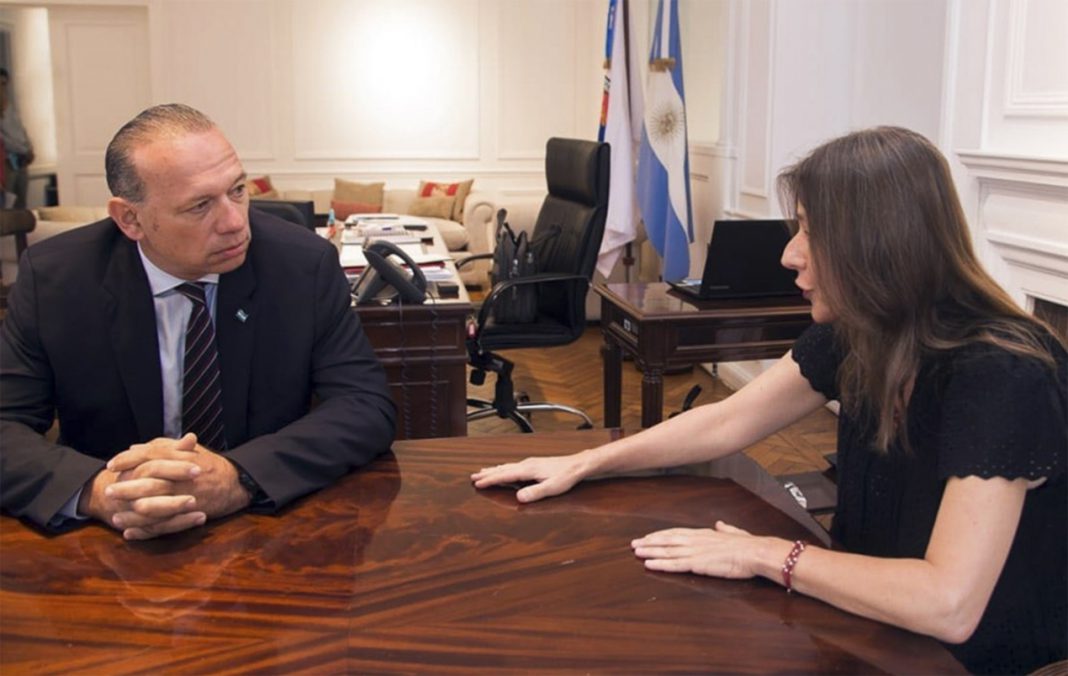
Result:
952,439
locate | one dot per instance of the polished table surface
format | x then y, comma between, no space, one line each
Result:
404,566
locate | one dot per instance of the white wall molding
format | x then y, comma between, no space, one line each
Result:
1020,101
720,149
1022,214
991,166
741,213
391,174
754,162
525,119
99,75
1025,57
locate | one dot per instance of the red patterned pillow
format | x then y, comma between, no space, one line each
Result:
259,186
458,190
343,210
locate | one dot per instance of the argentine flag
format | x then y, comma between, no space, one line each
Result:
663,161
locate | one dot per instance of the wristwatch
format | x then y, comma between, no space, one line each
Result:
257,496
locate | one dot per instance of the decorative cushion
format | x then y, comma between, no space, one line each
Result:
261,188
343,210
458,190
351,191
439,206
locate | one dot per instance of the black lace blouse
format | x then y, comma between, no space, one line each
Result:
977,410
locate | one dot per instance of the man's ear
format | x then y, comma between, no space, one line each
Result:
125,216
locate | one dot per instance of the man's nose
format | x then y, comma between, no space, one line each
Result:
234,215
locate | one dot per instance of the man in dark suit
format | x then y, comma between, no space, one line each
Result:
96,332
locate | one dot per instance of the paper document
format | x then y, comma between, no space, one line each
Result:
352,256
427,257
437,274
352,219
356,236
413,249
400,238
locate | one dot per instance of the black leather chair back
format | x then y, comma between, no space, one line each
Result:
299,212
569,228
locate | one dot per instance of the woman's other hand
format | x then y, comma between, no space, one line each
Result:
723,551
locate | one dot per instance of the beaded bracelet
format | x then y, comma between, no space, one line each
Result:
791,561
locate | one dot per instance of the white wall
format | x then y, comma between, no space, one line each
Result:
395,90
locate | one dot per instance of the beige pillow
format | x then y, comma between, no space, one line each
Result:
271,194
459,190
351,191
435,207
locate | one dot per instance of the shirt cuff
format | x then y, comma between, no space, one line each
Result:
68,511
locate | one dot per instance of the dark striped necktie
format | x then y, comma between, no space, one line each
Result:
202,386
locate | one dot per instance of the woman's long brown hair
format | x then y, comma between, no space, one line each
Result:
894,260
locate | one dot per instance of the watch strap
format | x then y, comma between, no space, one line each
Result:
257,496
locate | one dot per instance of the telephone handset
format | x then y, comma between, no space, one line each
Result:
383,275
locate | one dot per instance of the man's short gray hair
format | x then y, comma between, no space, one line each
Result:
156,122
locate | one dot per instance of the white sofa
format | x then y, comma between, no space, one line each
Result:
473,235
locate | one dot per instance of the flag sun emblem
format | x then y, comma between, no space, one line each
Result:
666,121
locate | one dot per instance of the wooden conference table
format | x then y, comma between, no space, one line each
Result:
404,566
662,328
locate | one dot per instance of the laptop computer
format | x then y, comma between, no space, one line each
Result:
743,262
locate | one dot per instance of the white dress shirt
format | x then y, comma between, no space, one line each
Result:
172,315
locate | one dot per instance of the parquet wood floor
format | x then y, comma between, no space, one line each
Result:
572,375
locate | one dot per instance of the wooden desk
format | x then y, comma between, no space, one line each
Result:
423,349
405,567
661,328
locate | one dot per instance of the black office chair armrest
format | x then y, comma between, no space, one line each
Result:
460,262
501,287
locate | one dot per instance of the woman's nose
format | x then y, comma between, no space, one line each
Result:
794,256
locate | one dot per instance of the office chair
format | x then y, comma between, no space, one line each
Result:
15,223
289,211
566,238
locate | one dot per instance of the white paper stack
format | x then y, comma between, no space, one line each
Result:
352,256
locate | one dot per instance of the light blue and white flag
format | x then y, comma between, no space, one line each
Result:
664,162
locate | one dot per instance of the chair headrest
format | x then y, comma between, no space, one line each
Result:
577,170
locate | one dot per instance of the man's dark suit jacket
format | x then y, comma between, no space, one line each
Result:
79,342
